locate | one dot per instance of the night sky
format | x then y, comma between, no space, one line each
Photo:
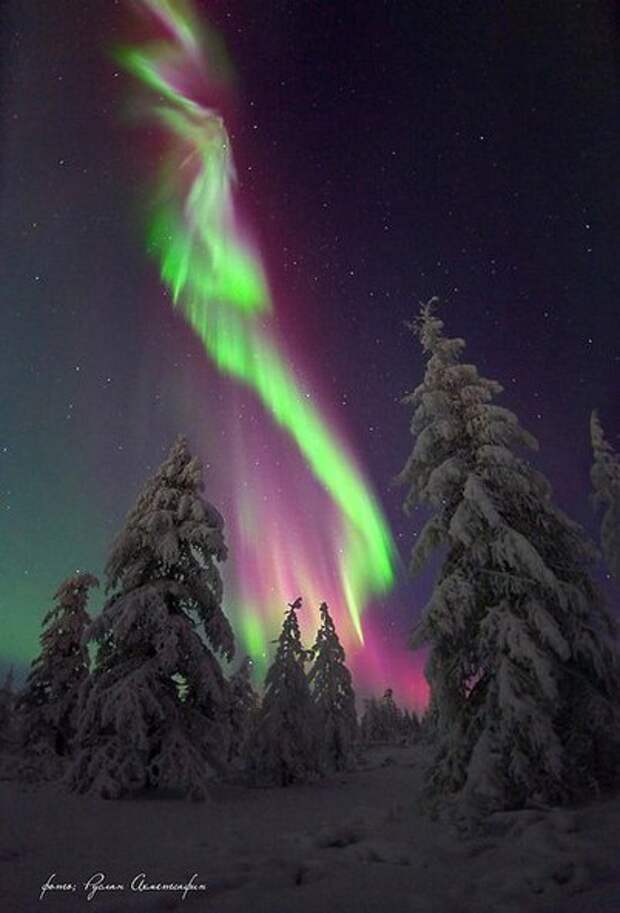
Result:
386,152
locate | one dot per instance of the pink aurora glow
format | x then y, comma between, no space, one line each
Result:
285,533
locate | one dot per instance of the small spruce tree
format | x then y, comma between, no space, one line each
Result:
285,746
383,722
392,715
47,706
155,707
334,697
523,662
243,710
605,475
370,729
410,727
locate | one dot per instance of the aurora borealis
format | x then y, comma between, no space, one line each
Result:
380,159
220,284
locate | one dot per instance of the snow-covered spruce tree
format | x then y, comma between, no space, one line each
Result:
243,710
605,475
523,662
154,709
47,706
285,746
334,697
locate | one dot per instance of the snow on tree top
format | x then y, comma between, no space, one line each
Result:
172,525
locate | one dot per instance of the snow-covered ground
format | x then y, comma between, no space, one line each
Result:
355,842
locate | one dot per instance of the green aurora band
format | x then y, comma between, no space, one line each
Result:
218,282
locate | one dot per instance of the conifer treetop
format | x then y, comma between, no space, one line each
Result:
75,588
429,329
172,541
290,648
68,615
329,655
171,519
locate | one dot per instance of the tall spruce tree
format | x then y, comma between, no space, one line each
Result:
605,476
154,710
523,661
334,697
47,706
285,746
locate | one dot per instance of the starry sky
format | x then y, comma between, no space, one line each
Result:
386,152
